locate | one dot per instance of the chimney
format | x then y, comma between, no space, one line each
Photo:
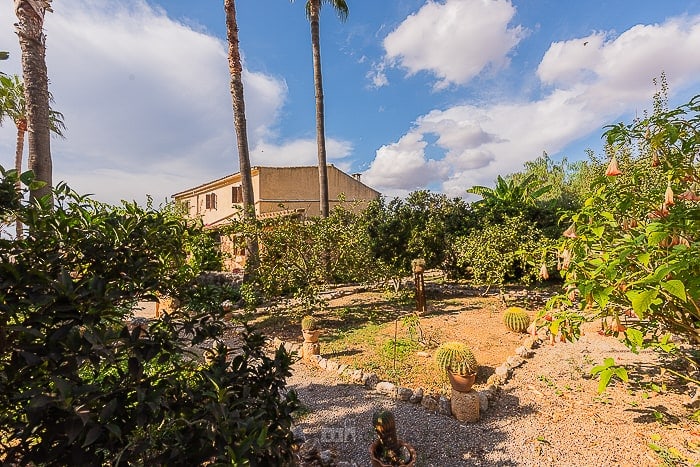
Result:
357,176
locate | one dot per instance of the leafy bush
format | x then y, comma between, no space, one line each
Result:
424,225
298,254
634,246
501,252
80,386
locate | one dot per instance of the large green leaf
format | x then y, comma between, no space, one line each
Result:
641,300
602,296
644,258
675,288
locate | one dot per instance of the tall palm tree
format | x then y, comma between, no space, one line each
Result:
13,105
32,42
313,10
239,121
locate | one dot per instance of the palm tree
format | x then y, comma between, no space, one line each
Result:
239,122
32,42
13,105
313,9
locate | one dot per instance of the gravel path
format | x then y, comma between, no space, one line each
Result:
549,413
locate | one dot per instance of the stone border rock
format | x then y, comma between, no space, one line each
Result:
435,403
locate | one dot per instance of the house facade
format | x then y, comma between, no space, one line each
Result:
276,191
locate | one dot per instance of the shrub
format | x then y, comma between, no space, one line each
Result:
634,248
80,386
298,254
501,252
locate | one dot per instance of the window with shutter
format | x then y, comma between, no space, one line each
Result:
236,194
210,201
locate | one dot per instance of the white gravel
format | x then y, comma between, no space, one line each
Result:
549,413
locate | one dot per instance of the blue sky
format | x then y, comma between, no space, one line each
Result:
419,94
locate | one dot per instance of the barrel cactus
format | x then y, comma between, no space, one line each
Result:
308,323
516,319
456,357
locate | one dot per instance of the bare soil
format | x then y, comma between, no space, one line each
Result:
359,329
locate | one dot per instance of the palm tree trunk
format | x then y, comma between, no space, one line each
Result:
19,152
239,122
314,10
36,89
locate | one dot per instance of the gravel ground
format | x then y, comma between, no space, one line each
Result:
549,413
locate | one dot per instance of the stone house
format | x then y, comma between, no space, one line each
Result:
277,191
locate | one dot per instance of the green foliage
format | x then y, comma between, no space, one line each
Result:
424,225
634,244
606,371
298,254
80,386
516,319
456,357
201,246
398,349
14,106
501,252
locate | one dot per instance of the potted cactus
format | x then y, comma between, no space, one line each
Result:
516,319
388,450
309,328
457,360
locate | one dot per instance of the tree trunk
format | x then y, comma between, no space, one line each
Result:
239,123
36,89
314,10
19,152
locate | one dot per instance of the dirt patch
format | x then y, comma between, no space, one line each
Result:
377,331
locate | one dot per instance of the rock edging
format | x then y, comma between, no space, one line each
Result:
435,403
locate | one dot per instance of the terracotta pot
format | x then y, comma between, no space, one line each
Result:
461,383
311,336
377,463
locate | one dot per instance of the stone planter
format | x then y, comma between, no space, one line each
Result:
311,336
461,383
378,463
465,406
309,349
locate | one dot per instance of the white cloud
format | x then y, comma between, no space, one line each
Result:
377,75
146,99
402,166
587,87
455,40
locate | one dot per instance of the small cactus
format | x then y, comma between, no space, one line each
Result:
516,319
308,323
390,451
457,358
